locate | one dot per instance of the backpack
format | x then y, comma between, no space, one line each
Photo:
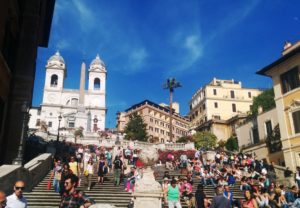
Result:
117,164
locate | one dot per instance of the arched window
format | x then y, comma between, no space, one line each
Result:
54,80
97,84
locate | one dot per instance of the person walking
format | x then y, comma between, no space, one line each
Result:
102,169
73,198
173,195
74,166
64,173
17,200
88,173
200,197
117,168
219,201
56,175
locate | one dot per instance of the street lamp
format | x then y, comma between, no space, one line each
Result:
171,84
59,120
25,111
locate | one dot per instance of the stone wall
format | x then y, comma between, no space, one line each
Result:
32,173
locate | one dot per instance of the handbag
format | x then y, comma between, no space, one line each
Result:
86,173
58,176
49,185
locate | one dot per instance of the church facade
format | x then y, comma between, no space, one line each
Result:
70,109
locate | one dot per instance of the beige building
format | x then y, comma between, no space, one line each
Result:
257,137
286,83
157,119
219,106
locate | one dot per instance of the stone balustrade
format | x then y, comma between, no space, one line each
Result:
141,145
31,173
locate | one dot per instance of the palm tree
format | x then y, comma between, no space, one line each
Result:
171,84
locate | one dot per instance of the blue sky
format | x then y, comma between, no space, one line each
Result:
144,42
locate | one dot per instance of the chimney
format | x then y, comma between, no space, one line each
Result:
82,84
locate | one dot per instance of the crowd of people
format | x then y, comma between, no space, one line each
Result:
225,172
256,179
90,160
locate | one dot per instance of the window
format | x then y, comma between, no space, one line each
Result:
203,107
96,84
54,80
71,124
233,107
150,128
156,130
215,91
255,137
290,80
151,120
232,94
216,105
38,122
162,131
296,120
249,95
74,102
268,125
156,121
39,112
49,124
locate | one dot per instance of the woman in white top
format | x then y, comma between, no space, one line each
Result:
88,173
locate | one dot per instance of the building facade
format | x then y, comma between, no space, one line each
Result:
156,117
72,108
219,106
260,137
286,83
24,26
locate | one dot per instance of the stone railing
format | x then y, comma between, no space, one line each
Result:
287,181
141,145
31,173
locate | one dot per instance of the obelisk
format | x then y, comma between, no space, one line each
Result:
82,85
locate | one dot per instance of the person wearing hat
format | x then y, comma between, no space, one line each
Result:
173,195
165,184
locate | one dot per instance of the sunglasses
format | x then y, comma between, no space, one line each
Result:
20,188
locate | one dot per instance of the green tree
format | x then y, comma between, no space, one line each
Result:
265,100
205,139
185,139
78,133
232,144
136,128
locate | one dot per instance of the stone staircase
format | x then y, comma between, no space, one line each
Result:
209,190
40,197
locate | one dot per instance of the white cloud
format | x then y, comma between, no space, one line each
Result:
86,15
137,59
232,19
193,45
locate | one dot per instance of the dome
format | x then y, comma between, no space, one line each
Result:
97,62
57,57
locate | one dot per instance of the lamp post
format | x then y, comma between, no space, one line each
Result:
171,84
25,111
95,124
59,120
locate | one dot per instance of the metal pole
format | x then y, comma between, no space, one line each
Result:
171,111
57,138
19,159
